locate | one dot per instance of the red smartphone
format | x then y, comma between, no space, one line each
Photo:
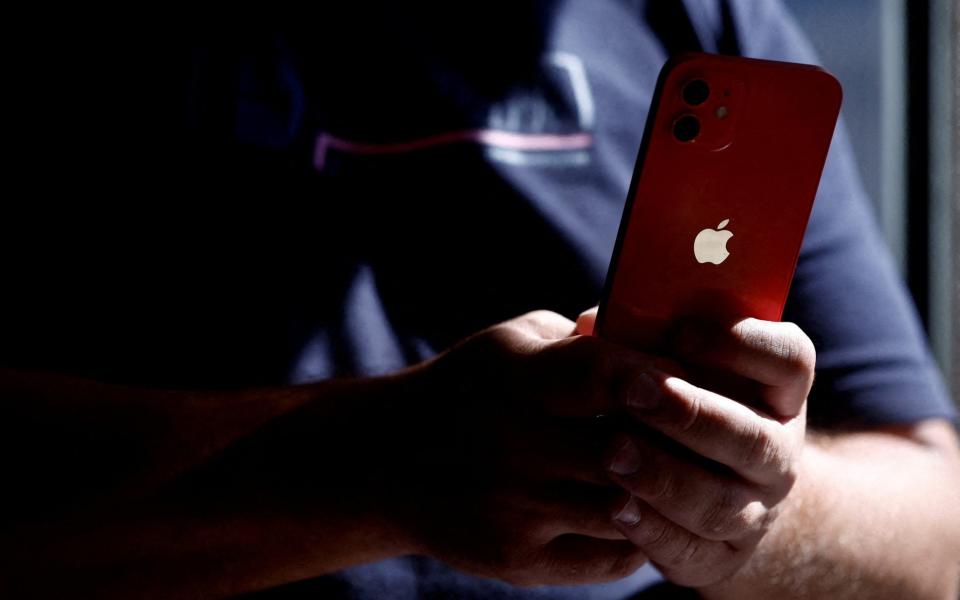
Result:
728,169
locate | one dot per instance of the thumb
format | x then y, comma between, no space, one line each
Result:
586,321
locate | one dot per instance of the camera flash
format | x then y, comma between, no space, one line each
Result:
721,112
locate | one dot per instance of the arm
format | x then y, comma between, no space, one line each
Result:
874,514
122,491
734,498
487,458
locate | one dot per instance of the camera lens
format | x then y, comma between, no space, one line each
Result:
696,92
686,128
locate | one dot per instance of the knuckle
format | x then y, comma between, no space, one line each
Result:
720,518
800,355
807,351
510,336
733,516
768,452
797,351
663,487
530,328
752,333
538,316
787,473
691,413
764,452
754,517
764,517
750,519
685,552
535,321
784,341
625,564
656,538
684,404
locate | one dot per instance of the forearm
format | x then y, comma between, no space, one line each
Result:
175,548
873,515
84,440
183,493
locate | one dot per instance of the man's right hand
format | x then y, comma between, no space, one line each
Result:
492,459
488,457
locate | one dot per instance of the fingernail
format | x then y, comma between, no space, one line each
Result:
626,461
644,393
630,513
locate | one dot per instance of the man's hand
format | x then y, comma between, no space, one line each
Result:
488,457
492,462
709,467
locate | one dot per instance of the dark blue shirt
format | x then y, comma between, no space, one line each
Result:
288,200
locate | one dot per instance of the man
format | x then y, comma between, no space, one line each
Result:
286,343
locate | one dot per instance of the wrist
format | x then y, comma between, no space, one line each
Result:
370,441
329,465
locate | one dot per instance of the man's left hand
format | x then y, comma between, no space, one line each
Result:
707,469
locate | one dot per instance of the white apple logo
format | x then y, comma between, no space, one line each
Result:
710,245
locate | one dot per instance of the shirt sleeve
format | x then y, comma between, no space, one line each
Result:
874,365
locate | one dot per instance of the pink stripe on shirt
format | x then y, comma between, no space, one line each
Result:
491,137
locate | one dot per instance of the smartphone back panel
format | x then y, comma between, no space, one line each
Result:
721,195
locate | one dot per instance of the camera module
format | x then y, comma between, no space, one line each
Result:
686,128
696,92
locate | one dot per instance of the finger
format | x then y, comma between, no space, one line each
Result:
778,355
756,446
681,556
711,505
573,508
586,321
558,450
573,559
584,376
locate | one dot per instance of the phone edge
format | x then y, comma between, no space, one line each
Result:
665,72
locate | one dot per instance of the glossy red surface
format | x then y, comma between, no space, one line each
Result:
765,131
